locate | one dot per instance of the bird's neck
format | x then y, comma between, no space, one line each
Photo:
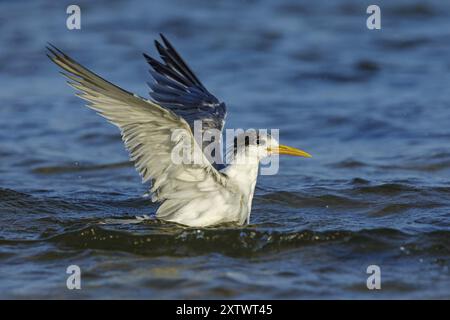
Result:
243,172
243,177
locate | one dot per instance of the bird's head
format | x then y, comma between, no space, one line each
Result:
258,145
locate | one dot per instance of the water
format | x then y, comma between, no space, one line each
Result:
373,107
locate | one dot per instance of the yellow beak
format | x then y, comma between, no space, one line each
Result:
289,151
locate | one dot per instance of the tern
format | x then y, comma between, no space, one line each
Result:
197,194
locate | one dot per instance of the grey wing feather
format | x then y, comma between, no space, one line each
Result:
177,88
146,130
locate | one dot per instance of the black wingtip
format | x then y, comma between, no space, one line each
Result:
53,47
54,50
50,52
160,47
149,59
164,39
49,44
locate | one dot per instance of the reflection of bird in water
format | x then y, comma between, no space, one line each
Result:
193,194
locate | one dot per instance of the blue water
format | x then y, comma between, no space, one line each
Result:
372,106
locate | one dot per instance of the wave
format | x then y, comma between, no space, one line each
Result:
306,199
171,240
12,202
74,223
78,168
430,162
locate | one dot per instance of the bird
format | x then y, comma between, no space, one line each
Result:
200,193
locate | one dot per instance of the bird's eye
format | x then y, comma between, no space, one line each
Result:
260,142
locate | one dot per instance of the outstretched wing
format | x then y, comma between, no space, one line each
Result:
147,131
177,88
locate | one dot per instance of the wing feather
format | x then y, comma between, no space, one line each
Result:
177,88
146,130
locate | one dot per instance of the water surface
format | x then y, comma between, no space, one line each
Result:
373,107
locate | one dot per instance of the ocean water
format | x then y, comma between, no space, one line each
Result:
372,106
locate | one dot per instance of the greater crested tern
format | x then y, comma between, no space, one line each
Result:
193,194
